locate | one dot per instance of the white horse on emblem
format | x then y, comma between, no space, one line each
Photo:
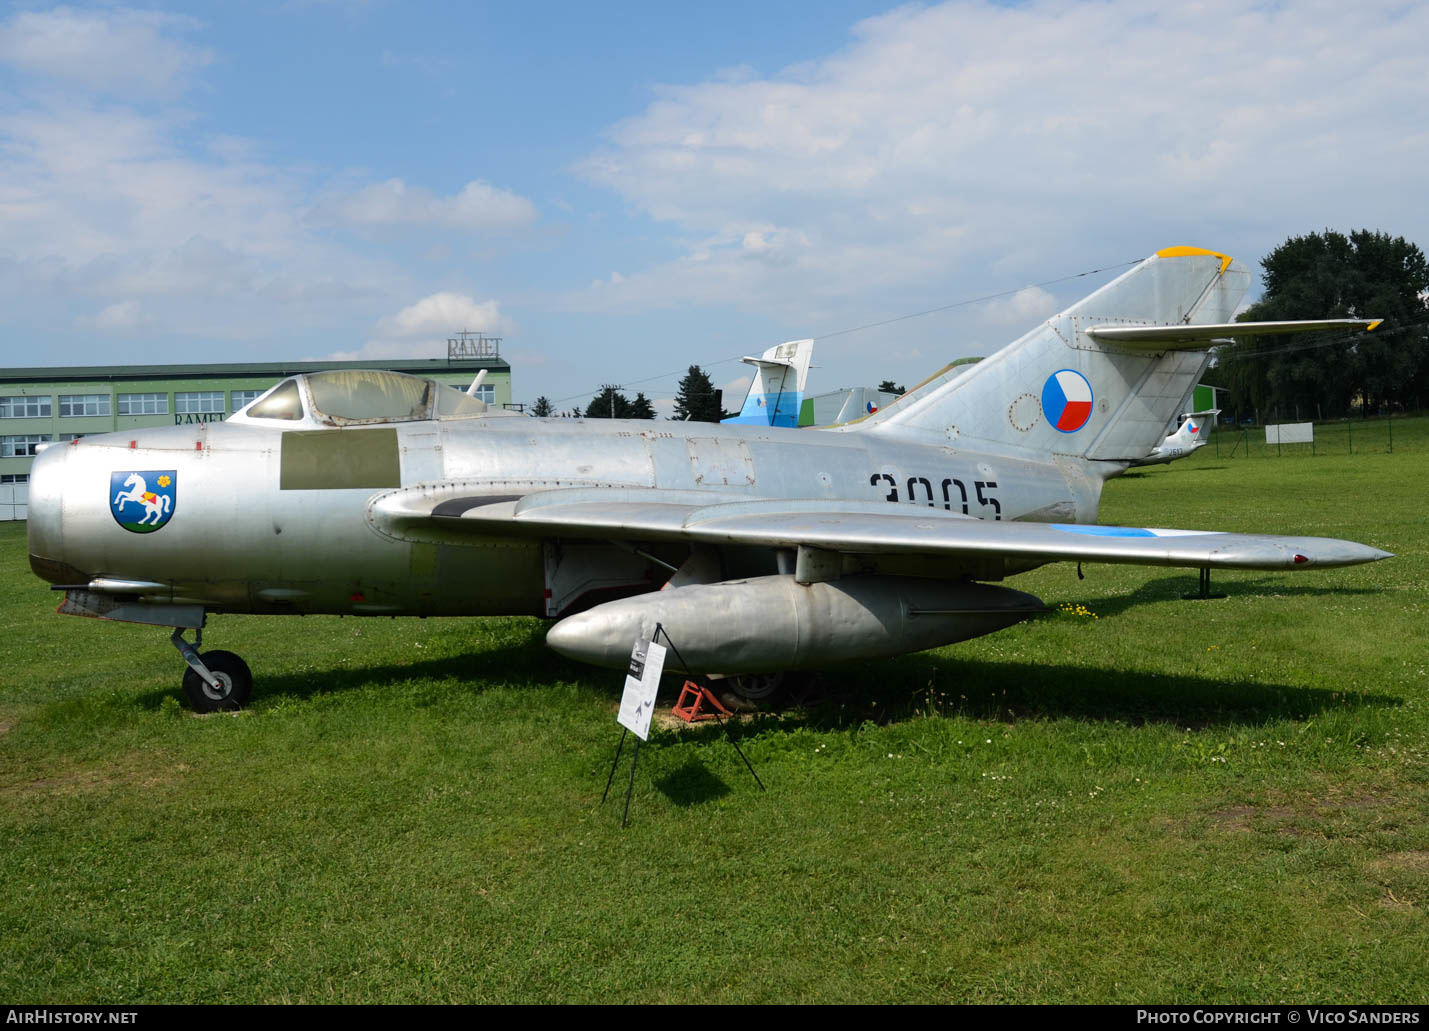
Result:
155,505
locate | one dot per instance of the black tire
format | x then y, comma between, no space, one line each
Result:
753,692
231,672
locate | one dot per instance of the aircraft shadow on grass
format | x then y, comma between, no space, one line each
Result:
916,686
1177,587
890,690
527,665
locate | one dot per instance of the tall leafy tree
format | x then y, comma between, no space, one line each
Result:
1330,275
641,408
697,399
888,387
543,407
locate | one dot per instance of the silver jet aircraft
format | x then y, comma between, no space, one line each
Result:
759,548
1187,440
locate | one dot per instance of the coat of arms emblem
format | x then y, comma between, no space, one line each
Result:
139,507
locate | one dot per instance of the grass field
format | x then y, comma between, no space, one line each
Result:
1167,801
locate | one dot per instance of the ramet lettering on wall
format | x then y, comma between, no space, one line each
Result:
192,417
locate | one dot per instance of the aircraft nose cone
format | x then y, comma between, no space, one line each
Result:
44,515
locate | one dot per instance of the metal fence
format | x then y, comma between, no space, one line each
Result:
1387,434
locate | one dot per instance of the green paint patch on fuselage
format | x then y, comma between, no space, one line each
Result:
340,458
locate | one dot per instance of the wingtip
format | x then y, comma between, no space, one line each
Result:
1361,554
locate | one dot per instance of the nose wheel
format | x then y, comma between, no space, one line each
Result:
215,681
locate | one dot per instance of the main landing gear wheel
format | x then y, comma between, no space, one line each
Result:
235,683
752,692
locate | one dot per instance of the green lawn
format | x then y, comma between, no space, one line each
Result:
1173,801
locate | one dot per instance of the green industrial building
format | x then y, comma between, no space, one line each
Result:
41,406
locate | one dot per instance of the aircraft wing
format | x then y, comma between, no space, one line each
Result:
851,527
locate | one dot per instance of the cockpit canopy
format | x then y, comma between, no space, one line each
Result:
366,397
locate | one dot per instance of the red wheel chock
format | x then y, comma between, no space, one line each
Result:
693,701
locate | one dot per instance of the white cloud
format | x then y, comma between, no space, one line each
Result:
106,204
733,391
479,206
1029,305
121,51
947,148
444,314
119,205
120,317
421,329
128,214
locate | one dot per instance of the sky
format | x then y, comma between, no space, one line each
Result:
622,190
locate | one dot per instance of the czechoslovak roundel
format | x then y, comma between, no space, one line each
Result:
1067,400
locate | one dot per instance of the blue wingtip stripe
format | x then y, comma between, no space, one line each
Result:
1103,531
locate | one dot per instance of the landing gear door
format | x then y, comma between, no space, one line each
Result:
579,575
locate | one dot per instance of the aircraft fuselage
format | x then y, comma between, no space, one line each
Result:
278,520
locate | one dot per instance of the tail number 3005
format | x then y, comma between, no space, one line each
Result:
955,492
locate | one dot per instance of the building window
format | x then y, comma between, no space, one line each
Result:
22,407
199,402
143,404
243,397
14,477
65,438
21,446
83,404
486,392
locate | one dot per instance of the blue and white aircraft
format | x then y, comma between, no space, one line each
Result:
777,391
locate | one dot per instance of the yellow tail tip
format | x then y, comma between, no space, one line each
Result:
1183,252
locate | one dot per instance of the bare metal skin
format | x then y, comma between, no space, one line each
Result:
759,548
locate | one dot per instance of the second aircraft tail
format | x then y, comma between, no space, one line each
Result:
777,392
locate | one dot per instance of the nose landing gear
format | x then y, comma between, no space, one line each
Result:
215,681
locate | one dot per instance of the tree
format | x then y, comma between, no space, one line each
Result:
697,399
1330,275
887,387
641,408
610,403
543,407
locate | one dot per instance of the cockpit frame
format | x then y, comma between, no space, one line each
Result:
362,397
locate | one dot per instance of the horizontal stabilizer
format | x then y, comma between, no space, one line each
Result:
1195,338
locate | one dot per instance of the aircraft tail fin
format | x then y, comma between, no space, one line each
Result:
777,391
1200,424
1186,434
1099,381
